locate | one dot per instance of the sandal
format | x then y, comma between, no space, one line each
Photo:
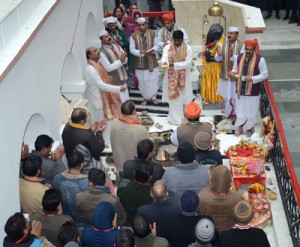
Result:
206,101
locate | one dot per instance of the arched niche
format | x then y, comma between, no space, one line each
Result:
91,32
72,85
36,126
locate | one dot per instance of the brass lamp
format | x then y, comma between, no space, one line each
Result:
215,10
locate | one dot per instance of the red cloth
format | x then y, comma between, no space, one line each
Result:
251,42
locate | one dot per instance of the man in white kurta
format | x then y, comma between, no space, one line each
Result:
95,84
250,70
177,84
146,66
113,58
164,35
228,53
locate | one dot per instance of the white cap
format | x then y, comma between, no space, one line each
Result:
233,29
140,20
102,32
108,20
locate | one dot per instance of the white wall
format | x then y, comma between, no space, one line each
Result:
31,90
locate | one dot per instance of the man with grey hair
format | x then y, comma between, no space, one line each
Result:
228,53
161,209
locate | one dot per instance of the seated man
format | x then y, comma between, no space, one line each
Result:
204,156
31,188
77,132
70,183
186,175
161,210
125,134
135,193
51,163
86,201
145,233
18,233
68,235
144,152
180,228
103,232
242,234
205,233
187,131
217,201
51,217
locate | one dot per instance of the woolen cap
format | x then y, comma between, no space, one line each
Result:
243,213
205,231
189,203
185,153
202,140
220,181
192,110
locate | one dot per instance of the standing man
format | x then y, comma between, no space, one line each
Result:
154,6
119,37
228,53
146,66
113,58
104,98
165,34
177,85
250,70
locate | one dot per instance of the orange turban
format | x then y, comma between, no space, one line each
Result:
168,17
192,110
251,42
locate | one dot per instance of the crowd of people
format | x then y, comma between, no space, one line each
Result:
75,203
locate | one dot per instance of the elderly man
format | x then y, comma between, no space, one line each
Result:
165,34
113,26
228,53
146,66
125,134
161,210
250,70
177,86
113,58
104,98
187,131
77,132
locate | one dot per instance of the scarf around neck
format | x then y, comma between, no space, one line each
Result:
176,78
144,42
250,72
111,101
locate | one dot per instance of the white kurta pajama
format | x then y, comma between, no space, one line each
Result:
148,81
176,106
227,88
94,85
247,107
114,66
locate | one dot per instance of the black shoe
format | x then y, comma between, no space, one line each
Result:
298,24
268,16
277,16
291,21
285,17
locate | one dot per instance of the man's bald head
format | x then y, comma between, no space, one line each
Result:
78,115
159,191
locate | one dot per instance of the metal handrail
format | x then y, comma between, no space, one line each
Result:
284,170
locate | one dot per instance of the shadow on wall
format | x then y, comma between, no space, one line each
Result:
36,126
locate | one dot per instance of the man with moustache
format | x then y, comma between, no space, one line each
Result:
249,70
228,53
113,58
